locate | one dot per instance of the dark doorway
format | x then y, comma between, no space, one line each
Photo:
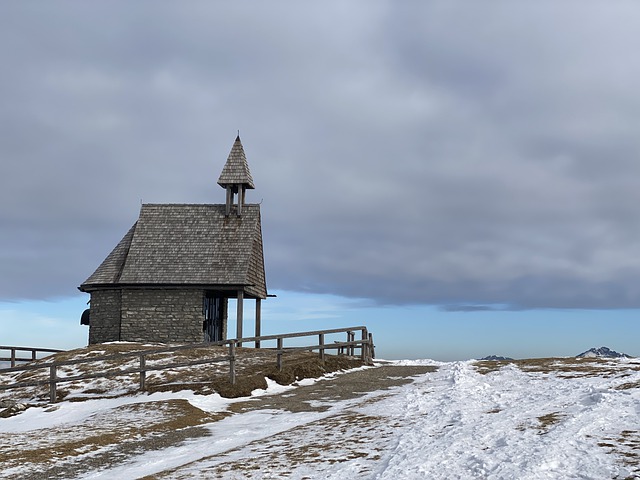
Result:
213,317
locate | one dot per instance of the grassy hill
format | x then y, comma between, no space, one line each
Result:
253,366
560,418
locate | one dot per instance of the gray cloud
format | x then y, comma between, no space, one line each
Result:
463,155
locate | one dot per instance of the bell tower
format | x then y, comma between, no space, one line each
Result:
236,177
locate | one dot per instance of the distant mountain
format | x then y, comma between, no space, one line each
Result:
602,352
496,358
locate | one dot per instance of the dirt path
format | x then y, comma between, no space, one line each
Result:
320,395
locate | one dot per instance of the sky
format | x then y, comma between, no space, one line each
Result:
461,177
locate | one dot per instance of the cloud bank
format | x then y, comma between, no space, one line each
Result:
449,153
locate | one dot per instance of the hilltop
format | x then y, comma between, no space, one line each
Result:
253,367
559,418
602,352
555,418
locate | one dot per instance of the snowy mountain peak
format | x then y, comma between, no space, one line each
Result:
602,352
496,358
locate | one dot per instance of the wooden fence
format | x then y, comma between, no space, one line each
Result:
364,344
34,353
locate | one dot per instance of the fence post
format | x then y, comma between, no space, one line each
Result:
353,347
13,357
52,383
372,349
232,362
364,353
143,372
279,349
350,338
33,354
321,342
346,347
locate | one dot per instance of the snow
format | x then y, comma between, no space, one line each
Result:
605,352
69,413
489,426
456,422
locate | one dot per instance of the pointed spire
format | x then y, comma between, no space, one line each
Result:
236,177
236,171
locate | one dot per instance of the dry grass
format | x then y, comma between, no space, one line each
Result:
626,446
252,366
569,367
67,442
546,422
284,452
628,386
487,366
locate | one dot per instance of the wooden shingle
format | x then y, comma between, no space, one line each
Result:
186,244
236,170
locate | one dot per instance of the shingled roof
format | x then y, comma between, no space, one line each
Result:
173,244
236,170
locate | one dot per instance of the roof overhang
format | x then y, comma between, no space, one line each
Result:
230,291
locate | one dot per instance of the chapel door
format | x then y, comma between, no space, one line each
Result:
213,317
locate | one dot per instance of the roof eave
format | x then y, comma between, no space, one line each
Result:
89,288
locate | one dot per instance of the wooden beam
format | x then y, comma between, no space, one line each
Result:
52,383
240,199
258,319
143,372
229,200
239,315
232,363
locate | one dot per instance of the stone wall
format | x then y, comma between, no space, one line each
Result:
104,320
148,315
162,315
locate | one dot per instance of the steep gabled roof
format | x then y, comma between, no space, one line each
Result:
236,170
187,245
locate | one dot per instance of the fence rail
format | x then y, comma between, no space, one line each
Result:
34,353
365,345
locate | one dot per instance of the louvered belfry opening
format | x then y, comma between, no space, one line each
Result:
170,277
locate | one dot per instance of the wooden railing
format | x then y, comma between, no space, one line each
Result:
365,344
34,353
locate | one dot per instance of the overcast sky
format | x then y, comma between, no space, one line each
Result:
467,155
